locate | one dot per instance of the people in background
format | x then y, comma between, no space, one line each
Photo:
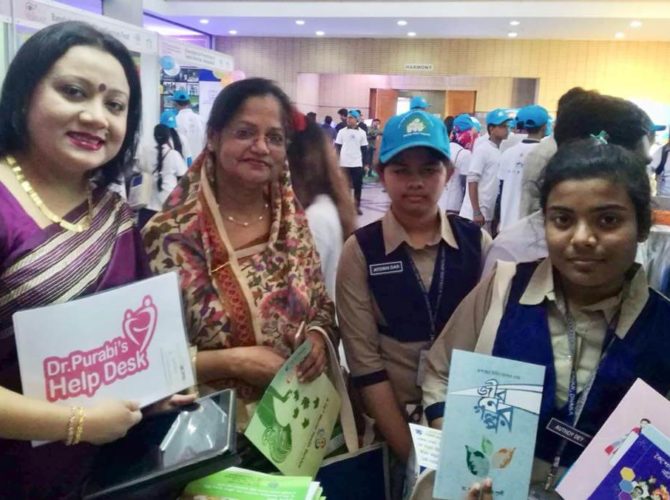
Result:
351,145
462,135
620,121
533,121
400,278
538,158
311,117
69,117
374,132
189,124
328,129
482,191
250,275
589,292
342,113
177,141
660,170
167,168
323,192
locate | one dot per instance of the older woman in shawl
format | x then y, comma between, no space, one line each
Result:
250,275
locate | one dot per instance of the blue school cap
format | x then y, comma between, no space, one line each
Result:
180,96
354,113
532,116
463,122
416,128
497,117
418,102
168,119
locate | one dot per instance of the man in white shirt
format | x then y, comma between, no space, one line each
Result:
351,143
189,124
533,120
452,200
482,191
659,167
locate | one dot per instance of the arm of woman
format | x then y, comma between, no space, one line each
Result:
25,418
256,365
461,332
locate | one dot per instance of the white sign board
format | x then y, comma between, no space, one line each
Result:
192,55
418,67
126,343
40,13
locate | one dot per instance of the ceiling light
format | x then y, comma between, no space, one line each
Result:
402,22
232,32
299,22
320,33
204,21
512,34
411,33
514,23
636,24
619,35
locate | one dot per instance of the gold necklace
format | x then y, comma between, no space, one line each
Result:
28,188
246,224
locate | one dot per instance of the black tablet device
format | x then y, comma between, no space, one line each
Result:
165,452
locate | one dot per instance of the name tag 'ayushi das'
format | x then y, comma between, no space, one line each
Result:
385,268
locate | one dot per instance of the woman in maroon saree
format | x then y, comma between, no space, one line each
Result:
69,116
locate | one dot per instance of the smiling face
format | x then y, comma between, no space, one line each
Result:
592,234
415,180
78,113
251,149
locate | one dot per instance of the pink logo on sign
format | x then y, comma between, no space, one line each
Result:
84,372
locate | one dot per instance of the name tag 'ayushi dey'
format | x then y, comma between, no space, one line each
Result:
385,268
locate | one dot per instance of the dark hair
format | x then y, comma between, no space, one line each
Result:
591,113
311,116
162,135
343,111
532,130
176,141
589,159
35,59
571,94
449,123
328,119
315,170
232,98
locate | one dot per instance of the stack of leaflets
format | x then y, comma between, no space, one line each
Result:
490,425
242,484
630,456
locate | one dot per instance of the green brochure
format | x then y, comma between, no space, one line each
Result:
242,484
293,422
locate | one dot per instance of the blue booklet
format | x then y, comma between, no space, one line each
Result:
643,471
490,425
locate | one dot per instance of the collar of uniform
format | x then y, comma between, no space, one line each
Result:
395,234
633,297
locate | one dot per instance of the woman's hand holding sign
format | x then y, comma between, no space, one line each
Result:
110,421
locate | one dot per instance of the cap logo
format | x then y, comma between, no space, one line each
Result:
415,126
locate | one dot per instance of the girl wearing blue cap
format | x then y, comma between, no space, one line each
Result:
400,278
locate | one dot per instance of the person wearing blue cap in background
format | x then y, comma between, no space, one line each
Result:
418,102
460,157
400,278
351,144
533,121
178,141
189,124
482,192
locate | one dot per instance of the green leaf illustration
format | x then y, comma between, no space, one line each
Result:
305,403
502,458
305,423
296,412
487,446
478,464
316,402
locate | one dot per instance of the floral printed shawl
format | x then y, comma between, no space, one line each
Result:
253,296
